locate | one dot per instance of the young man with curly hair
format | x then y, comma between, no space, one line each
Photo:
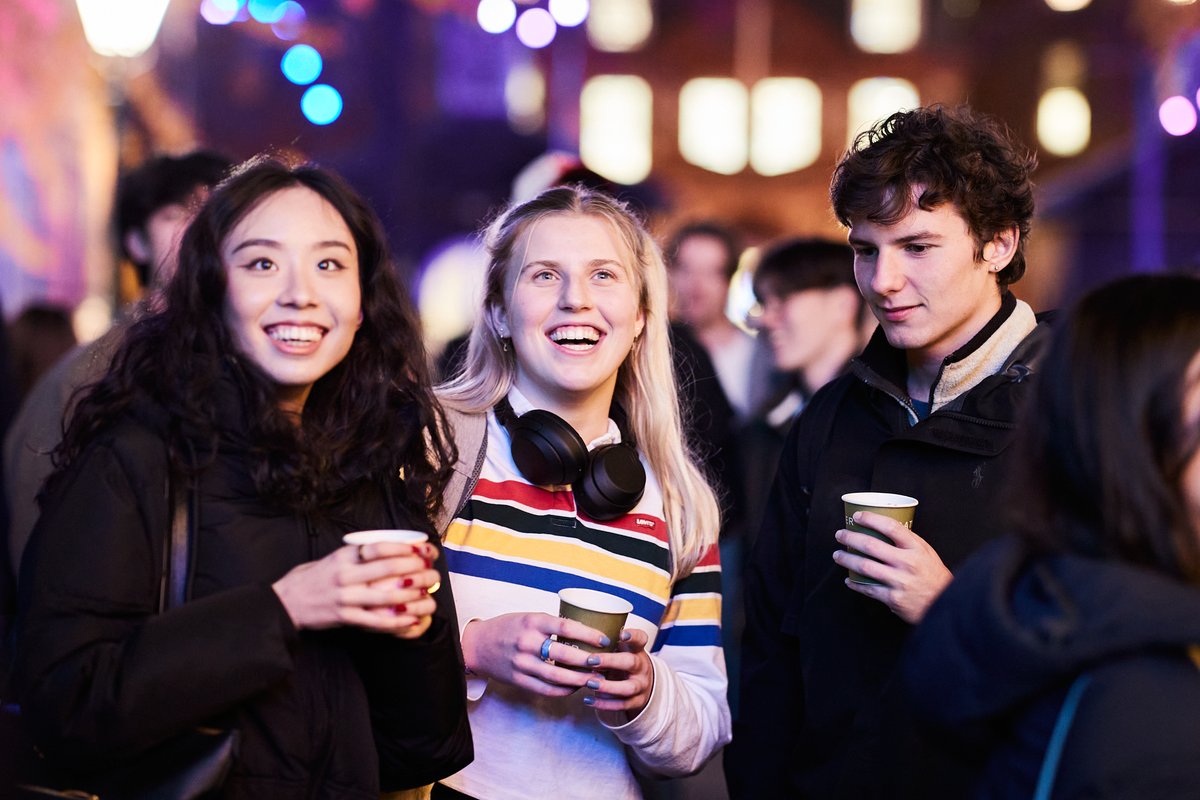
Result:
938,204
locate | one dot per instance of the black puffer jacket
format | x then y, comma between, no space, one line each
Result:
340,713
990,664
819,713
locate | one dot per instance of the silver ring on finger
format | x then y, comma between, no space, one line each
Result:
545,652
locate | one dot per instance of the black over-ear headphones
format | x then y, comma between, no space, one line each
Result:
607,482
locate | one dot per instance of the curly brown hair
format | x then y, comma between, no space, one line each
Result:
954,156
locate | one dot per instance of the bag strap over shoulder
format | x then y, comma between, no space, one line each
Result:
470,437
1058,737
176,567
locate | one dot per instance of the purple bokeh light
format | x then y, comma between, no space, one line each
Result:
1177,115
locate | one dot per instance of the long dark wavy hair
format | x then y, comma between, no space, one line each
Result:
957,156
372,417
1108,439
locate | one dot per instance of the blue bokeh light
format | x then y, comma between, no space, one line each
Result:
321,104
301,64
267,11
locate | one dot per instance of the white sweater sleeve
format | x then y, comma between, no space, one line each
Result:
687,718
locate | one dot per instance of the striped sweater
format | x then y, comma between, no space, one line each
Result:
510,549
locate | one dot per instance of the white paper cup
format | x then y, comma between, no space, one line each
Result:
389,535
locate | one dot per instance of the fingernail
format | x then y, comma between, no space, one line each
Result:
589,700
428,563
856,516
424,592
605,641
407,582
400,609
838,536
593,684
593,661
626,636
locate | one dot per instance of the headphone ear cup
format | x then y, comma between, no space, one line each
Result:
547,449
612,484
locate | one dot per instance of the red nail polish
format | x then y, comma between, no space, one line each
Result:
400,609
406,583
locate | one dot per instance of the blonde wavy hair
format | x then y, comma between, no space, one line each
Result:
645,382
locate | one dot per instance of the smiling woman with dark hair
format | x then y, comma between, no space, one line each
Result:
283,388
1101,592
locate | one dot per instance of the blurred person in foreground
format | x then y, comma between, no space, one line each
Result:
1099,590
573,472
283,386
938,203
154,203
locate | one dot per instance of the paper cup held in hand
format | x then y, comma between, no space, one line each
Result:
604,612
899,507
389,535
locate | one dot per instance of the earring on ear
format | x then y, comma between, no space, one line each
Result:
504,343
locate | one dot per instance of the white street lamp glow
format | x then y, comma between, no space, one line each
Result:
496,16
121,27
569,13
536,28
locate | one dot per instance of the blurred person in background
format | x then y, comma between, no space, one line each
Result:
1092,606
282,386
702,258
154,203
571,348
813,316
39,336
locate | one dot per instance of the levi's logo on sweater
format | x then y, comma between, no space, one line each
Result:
644,522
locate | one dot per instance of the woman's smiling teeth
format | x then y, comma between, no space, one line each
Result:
575,337
299,334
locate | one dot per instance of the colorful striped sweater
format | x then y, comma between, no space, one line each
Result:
510,549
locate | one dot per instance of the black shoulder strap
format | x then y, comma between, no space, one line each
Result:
172,591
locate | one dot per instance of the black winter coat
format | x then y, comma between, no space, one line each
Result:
819,713
340,713
989,666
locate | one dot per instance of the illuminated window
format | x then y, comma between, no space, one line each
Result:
1064,121
714,124
873,99
615,122
618,26
885,26
525,98
785,125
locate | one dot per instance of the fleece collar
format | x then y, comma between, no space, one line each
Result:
987,353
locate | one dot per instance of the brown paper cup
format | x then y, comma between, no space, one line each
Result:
899,507
604,612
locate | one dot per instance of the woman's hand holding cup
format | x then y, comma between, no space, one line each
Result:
380,580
